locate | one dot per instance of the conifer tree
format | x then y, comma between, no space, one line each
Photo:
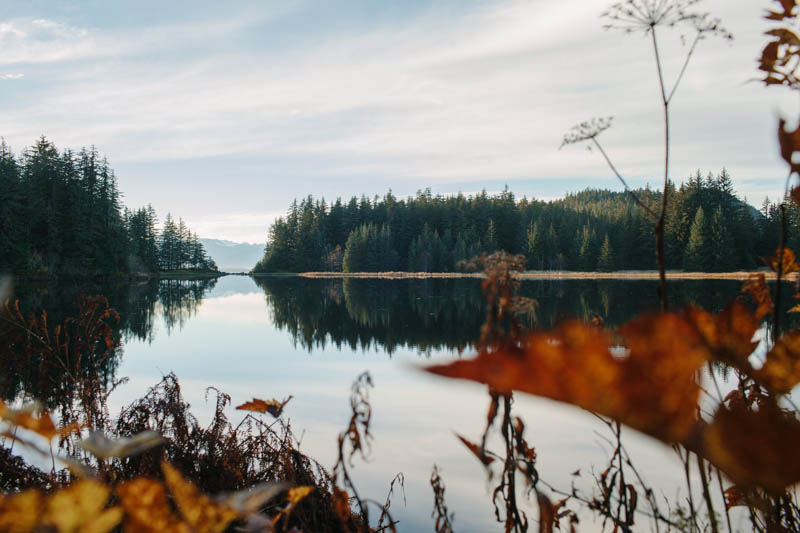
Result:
606,262
694,259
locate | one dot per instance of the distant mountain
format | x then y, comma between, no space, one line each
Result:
233,256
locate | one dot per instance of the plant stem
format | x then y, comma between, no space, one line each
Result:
722,493
707,495
660,255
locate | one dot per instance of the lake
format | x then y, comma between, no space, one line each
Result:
310,338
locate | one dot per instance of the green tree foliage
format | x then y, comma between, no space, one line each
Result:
433,233
606,261
695,258
61,213
369,249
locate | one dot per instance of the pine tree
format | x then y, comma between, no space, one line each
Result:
694,259
606,262
721,250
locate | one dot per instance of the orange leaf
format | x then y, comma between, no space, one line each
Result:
651,388
273,407
789,143
788,264
781,370
734,497
476,450
754,448
756,287
728,335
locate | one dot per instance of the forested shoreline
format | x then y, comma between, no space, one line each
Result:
708,229
62,214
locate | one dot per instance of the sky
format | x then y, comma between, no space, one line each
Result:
223,113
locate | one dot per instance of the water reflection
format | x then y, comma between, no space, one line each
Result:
44,354
432,314
140,304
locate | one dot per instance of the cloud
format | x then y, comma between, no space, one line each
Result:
11,76
250,227
477,94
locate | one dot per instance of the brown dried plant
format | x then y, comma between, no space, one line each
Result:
648,16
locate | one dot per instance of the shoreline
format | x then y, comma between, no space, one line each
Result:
544,275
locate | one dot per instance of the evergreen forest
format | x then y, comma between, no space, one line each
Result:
61,214
708,229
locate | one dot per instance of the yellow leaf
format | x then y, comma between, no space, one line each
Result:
146,509
22,511
104,522
197,509
31,418
75,506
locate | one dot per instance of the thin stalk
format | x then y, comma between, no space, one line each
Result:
683,68
624,183
722,493
707,495
660,255
687,473
781,252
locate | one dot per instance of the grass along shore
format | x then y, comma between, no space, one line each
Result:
547,274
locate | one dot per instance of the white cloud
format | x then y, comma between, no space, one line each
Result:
238,227
11,76
476,96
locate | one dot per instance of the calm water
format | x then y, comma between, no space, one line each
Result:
311,338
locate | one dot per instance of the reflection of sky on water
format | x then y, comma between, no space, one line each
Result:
232,345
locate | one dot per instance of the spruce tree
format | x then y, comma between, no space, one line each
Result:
606,262
694,259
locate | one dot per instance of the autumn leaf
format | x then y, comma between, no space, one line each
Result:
104,448
81,506
727,335
197,509
273,407
651,388
295,496
754,448
788,264
78,507
21,512
734,497
756,287
477,451
781,370
31,418
146,508
341,504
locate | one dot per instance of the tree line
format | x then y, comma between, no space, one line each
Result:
708,228
61,213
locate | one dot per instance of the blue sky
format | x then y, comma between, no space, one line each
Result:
223,113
